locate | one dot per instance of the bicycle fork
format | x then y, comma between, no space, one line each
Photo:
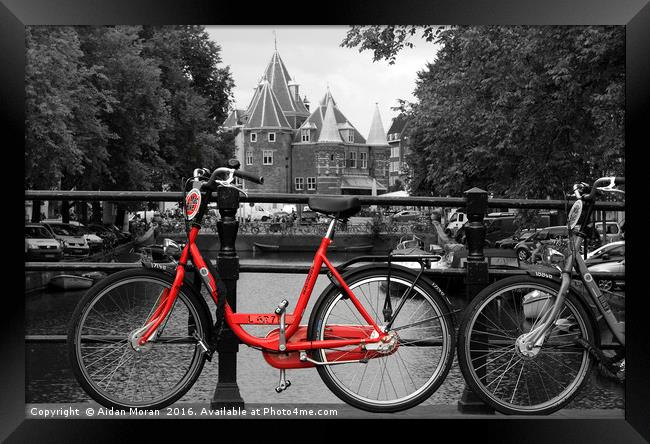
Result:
529,344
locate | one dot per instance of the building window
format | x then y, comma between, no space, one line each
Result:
363,159
311,183
394,167
352,162
304,135
267,157
253,137
249,157
332,157
350,136
300,183
394,151
271,137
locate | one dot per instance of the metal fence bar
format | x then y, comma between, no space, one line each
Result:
247,267
421,201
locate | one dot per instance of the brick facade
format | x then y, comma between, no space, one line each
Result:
277,108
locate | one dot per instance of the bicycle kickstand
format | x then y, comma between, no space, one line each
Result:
284,382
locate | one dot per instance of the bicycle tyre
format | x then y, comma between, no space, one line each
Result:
198,319
576,318
326,305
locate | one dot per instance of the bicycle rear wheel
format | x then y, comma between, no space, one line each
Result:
413,369
110,366
495,368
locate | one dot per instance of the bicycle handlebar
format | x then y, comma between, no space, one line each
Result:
602,184
230,172
249,176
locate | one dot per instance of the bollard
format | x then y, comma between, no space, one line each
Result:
476,279
226,393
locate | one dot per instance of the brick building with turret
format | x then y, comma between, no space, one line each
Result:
299,150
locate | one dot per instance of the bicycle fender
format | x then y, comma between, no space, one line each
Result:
166,267
544,275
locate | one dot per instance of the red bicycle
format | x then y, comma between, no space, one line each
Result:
380,337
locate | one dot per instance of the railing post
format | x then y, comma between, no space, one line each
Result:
226,394
476,279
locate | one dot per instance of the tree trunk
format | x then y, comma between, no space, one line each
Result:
83,212
97,212
36,211
119,217
65,212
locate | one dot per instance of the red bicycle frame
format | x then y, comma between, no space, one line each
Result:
236,320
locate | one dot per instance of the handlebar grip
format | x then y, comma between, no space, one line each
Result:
249,176
619,181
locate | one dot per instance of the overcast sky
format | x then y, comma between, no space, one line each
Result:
314,60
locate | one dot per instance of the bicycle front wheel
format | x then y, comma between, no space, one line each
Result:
111,367
411,369
511,381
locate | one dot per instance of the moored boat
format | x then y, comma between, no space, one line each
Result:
70,282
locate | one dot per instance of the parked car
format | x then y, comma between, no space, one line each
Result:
512,241
610,267
612,252
74,243
95,242
256,212
406,216
613,232
40,244
546,235
110,239
497,227
457,220
308,215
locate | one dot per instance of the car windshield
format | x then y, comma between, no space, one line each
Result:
64,230
37,233
527,235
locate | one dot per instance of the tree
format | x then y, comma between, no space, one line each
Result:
199,94
64,134
123,107
520,111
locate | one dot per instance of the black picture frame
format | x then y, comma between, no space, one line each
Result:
633,14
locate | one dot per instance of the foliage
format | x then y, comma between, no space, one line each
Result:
63,132
123,107
521,111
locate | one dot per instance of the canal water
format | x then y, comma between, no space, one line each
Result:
49,378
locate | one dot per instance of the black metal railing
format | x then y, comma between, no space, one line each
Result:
476,272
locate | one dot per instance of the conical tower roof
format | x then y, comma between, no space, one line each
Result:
377,135
327,98
278,76
330,130
265,110
317,118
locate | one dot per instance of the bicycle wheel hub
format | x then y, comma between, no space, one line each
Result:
387,345
525,348
134,338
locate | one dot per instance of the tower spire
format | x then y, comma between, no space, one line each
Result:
275,40
377,135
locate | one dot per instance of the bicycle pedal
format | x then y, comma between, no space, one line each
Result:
282,306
